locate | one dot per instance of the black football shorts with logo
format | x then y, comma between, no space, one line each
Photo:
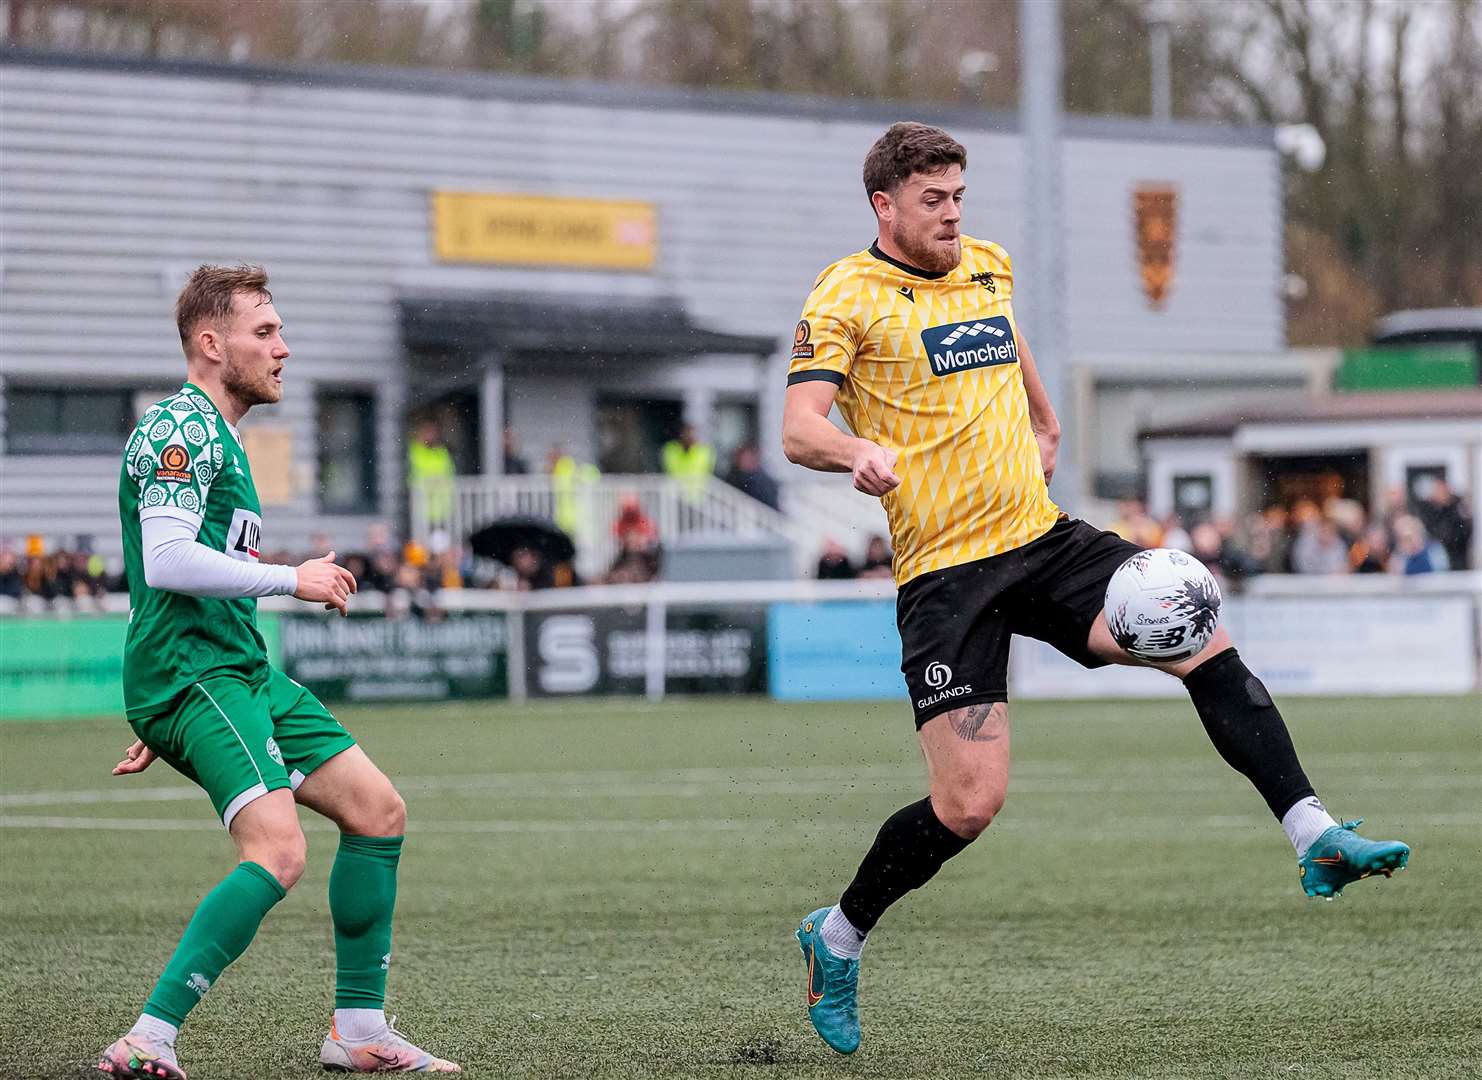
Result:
955,623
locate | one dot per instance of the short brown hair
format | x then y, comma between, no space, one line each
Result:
907,148
210,291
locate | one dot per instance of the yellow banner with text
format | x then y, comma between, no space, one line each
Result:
543,230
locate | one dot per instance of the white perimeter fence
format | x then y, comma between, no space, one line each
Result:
801,640
793,640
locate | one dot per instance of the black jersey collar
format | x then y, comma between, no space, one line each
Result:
914,271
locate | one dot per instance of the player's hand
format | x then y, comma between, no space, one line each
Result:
137,758
874,468
1049,450
320,580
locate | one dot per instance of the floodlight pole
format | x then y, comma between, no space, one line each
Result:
1160,46
1041,271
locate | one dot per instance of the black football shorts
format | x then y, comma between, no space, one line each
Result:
955,623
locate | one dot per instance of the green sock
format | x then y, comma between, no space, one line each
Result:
362,896
219,932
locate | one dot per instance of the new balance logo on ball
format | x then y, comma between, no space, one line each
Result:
979,343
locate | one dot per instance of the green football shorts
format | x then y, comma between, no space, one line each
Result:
240,740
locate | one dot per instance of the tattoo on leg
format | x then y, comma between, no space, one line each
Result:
969,722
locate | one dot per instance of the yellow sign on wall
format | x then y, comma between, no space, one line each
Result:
541,230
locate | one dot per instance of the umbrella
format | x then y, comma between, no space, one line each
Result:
499,539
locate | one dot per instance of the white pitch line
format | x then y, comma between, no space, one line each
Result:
500,787
39,821
750,828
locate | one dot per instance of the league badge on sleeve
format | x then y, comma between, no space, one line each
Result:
174,465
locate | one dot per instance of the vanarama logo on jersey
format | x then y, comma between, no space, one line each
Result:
976,343
174,465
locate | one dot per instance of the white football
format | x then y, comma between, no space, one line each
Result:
1163,605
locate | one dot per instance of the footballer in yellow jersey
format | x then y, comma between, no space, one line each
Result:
914,339
927,365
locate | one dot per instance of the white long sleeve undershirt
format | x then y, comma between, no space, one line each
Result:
174,561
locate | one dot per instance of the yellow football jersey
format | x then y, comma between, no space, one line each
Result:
928,365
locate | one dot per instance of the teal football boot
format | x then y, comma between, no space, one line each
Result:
1340,856
833,985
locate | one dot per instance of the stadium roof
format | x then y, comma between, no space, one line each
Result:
1425,320
515,325
546,90
1335,408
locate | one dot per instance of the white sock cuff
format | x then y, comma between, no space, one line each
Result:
154,1029
357,1024
1305,821
840,936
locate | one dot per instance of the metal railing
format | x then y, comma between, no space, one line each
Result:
680,510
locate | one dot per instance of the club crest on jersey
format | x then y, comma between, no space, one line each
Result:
976,343
244,537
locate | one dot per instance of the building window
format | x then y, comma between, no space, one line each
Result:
347,457
53,420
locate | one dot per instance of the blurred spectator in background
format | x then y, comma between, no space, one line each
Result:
359,567
571,489
1320,549
1348,516
877,559
448,570
632,528
430,472
1446,520
1134,523
637,537
689,461
531,571
834,564
1173,534
1278,559
1391,506
382,559
1415,552
1206,545
1370,553
409,595
11,582
633,567
514,464
747,475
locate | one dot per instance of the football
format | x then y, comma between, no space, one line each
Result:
1162,605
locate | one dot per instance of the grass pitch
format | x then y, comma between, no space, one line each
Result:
608,889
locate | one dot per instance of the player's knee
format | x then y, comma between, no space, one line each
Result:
969,813
393,813
383,812
282,856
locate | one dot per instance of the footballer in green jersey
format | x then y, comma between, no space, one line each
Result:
200,693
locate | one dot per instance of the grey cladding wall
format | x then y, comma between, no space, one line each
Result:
116,179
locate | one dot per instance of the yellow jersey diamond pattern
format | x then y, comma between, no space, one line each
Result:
933,374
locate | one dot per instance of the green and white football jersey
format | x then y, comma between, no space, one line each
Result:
185,461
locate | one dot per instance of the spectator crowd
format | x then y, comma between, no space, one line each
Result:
1427,533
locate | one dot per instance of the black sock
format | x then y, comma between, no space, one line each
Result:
911,847
1247,730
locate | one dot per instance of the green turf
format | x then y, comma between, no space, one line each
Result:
601,889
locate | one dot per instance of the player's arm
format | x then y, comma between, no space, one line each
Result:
176,562
174,460
1042,417
810,439
823,352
